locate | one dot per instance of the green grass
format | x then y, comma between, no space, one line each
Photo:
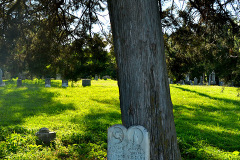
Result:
207,120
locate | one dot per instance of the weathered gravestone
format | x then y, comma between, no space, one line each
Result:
96,77
58,76
201,80
195,81
45,135
7,75
64,83
19,83
213,81
187,79
48,82
1,81
128,144
209,79
86,82
190,82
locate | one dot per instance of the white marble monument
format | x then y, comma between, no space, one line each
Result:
128,144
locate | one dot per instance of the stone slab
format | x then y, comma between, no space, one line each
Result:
131,144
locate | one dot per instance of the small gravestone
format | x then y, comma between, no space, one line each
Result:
19,83
209,79
1,80
45,135
64,83
190,82
182,82
201,80
213,81
86,82
96,77
128,144
7,75
58,76
48,82
195,81
187,78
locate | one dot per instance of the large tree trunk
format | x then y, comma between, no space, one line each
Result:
143,85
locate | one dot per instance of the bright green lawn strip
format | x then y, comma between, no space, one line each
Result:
207,120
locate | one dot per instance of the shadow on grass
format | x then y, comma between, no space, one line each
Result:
237,103
94,135
200,125
18,103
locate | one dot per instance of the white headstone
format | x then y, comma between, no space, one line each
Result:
128,144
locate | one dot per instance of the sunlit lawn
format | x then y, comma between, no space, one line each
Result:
207,120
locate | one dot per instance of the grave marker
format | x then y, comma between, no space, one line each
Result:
48,82
86,82
195,81
19,83
64,83
131,144
1,82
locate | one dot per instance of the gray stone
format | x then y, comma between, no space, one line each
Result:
201,80
86,82
190,82
64,83
7,75
45,135
48,82
58,76
182,82
128,144
209,79
1,81
19,83
195,81
169,80
96,77
213,81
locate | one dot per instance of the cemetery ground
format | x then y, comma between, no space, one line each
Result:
206,119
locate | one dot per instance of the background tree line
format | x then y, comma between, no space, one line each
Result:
45,37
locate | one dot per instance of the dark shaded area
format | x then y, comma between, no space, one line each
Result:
191,137
96,124
30,100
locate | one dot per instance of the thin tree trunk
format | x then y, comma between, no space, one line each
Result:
143,81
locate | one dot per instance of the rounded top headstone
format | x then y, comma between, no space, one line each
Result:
44,130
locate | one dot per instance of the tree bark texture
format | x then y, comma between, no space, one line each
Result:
143,81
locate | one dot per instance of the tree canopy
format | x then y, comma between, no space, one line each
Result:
40,37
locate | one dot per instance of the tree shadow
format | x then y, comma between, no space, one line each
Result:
201,125
237,103
18,103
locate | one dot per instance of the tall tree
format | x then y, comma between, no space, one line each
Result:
144,90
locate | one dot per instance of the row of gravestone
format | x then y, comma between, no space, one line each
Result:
211,80
85,82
